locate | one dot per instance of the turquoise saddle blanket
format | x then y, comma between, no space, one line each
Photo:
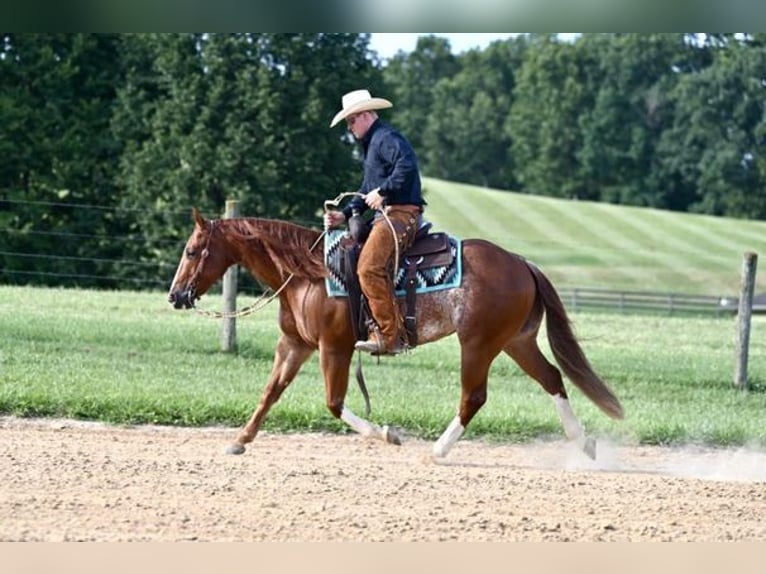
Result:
431,279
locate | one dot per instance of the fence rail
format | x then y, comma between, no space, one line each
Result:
635,301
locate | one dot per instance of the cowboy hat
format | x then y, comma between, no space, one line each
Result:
359,101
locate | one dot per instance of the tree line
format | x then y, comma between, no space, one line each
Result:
141,127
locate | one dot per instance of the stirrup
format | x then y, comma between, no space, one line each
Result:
373,345
376,346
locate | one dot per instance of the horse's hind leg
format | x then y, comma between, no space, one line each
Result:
289,357
474,371
532,361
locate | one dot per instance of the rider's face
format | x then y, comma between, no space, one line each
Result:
358,124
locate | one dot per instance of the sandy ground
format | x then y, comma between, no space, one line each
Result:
66,480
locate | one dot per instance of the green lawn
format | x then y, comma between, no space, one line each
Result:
127,357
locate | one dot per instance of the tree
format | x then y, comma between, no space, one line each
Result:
56,94
713,155
240,116
410,79
464,138
548,99
631,109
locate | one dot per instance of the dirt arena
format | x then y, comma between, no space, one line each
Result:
66,480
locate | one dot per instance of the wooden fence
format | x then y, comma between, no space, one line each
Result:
648,301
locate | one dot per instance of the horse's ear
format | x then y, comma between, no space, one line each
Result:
198,218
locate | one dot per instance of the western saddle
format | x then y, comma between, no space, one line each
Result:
427,251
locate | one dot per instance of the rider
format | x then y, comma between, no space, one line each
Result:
391,184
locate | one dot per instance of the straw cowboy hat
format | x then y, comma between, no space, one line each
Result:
359,101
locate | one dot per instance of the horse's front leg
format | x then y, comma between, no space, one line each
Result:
289,357
335,368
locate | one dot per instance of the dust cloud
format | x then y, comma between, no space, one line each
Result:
740,464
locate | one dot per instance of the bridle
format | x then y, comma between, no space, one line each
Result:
259,303
265,297
192,285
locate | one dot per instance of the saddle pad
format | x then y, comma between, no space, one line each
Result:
433,279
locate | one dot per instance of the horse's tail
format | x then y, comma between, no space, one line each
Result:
568,352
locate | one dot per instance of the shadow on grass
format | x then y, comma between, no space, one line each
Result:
756,385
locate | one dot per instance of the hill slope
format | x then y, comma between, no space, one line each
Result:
589,244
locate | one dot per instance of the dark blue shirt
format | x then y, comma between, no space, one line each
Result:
389,164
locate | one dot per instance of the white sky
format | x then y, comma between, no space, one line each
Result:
389,43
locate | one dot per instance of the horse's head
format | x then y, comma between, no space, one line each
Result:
203,262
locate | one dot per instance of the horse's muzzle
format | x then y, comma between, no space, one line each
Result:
182,299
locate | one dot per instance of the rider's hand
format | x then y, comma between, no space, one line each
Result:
373,199
333,219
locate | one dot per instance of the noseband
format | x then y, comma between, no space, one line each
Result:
192,284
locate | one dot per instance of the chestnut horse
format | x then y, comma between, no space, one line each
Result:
499,307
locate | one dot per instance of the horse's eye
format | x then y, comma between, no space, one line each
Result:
190,253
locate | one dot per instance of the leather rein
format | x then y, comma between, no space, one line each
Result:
266,297
259,303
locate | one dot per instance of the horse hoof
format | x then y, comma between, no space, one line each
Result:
589,447
437,457
235,448
391,437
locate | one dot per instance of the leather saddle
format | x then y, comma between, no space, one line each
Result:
428,250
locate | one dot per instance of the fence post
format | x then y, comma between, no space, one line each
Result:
229,325
744,312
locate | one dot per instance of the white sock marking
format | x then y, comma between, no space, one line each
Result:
363,427
448,438
571,425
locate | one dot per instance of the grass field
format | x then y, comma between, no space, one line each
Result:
588,244
127,357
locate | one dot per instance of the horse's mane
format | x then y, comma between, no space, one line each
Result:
288,245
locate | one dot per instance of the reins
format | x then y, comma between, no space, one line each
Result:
266,298
336,202
259,304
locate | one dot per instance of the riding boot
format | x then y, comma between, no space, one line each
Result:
376,263
376,343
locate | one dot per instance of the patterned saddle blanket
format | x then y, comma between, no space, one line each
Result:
432,274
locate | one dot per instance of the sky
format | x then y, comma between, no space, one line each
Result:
388,44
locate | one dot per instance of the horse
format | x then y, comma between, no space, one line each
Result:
498,307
